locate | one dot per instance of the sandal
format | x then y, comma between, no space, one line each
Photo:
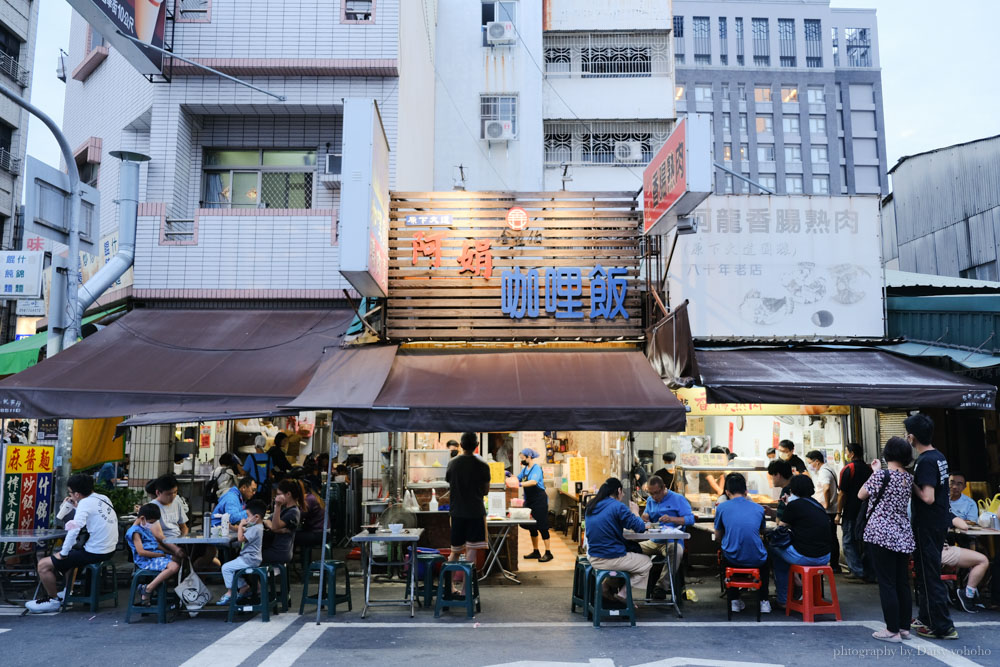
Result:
904,634
886,636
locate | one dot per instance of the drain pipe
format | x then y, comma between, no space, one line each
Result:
128,209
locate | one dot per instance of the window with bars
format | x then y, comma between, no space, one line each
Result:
859,47
814,42
679,40
761,33
723,41
611,143
501,108
702,32
241,178
835,41
607,55
786,42
739,40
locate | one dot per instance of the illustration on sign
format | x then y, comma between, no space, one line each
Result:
519,293
517,218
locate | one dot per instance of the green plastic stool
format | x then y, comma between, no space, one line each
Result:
445,598
595,606
93,578
328,598
263,575
161,597
426,588
581,586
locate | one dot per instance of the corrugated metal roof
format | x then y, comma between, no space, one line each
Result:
962,357
937,150
895,279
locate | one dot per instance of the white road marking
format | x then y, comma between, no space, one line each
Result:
295,646
3,630
594,662
683,662
232,649
473,624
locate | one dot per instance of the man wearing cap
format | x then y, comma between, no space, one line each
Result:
531,481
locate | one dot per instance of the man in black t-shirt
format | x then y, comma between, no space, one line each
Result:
469,479
786,452
931,518
852,478
666,473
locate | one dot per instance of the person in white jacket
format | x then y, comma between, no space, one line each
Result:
95,513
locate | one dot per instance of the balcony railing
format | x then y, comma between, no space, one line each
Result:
13,69
607,55
8,162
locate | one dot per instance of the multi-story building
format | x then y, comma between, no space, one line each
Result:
240,197
18,23
795,92
546,94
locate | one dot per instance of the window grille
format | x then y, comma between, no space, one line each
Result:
723,41
814,43
834,38
701,28
497,107
679,39
607,55
611,143
786,41
252,179
761,42
859,47
739,41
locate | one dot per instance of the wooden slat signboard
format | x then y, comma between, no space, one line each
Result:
514,266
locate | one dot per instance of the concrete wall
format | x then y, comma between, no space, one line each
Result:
606,14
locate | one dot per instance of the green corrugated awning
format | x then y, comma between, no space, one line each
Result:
20,354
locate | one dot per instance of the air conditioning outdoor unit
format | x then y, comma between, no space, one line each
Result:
333,163
628,151
500,32
498,130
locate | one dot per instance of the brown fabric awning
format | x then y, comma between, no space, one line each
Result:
862,377
184,362
418,390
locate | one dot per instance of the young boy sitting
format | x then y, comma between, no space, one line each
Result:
250,532
145,539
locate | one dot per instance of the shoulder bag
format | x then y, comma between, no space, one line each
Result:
865,512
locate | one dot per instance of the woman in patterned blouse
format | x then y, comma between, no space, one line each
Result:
890,538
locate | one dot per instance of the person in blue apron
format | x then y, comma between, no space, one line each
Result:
531,481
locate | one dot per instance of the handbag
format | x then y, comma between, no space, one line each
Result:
192,591
780,537
865,512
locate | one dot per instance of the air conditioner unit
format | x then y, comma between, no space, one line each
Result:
500,32
333,163
628,151
498,130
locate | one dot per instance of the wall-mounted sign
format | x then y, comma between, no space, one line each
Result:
27,491
143,19
428,221
22,274
786,267
364,199
696,399
566,268
680,175
47,207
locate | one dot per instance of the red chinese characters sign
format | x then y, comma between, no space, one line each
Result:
26,490
665,178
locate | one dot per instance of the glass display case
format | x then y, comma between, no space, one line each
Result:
426,468
702,485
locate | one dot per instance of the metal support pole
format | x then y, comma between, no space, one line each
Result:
326,523
64,448
743,178
280,98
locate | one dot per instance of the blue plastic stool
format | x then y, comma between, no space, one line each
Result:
329,597
161,597
93,578
581,585
263,584
426,588
595,606
445,598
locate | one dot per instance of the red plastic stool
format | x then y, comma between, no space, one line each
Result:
743,578
813,603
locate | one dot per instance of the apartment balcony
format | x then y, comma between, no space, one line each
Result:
237,253
8,162
13,69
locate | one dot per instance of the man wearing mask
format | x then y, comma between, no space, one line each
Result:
786,452
825,482
532,482
852,478
666,473
453,448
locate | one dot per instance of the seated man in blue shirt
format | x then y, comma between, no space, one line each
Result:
670,509
962,505
738,525
234,502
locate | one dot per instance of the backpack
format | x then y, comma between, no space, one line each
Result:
211,493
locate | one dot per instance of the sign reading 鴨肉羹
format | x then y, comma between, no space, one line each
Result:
27,490
514,266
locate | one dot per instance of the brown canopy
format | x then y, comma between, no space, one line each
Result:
416,390
189,363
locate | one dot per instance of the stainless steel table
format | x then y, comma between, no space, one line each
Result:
19,536
497,542
365,539
654,534
201,539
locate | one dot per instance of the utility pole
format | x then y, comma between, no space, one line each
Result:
62,313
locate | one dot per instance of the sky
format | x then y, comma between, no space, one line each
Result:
940,86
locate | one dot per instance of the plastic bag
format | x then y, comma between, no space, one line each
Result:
192,591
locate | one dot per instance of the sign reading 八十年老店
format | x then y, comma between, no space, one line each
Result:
508,266
782,266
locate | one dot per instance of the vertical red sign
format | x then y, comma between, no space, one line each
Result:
664,180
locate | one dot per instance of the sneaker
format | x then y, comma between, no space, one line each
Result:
765,607
927,633
223,601
917,625
737,606
967,604
45,605
546,558
659,593
61,595
534,554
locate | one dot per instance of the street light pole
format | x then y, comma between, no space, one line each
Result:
67,316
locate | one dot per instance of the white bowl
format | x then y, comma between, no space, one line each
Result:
395,528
